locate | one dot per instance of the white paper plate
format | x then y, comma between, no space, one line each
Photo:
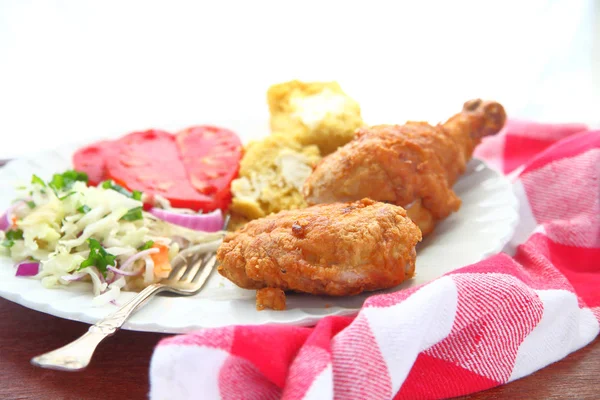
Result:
482,226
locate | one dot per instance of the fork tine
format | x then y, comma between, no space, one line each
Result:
205,271
194,265
195,268
204,262
178,271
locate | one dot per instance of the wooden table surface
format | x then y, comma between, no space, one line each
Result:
120,368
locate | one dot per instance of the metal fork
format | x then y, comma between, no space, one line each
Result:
186,279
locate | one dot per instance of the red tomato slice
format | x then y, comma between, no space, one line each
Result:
149,161
193,169
90,160
211,156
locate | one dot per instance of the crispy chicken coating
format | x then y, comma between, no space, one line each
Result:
318,113
413,165
272,298
330,249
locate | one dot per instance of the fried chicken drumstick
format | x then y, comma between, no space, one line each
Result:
329,249
413,165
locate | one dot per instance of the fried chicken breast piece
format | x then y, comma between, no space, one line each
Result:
413,165
330,249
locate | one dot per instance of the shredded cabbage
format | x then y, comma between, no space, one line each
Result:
60,221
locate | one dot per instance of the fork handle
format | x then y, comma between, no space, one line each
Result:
76,355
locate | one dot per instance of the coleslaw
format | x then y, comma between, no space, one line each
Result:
99,234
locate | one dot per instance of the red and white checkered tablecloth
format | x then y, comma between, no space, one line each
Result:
475,328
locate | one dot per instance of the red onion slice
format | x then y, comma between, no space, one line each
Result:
4,222
121,272
27,268
137,256
211,222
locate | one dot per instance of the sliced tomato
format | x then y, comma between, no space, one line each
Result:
192,169
211,156
91,160
149,161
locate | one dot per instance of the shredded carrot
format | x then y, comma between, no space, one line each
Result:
162,265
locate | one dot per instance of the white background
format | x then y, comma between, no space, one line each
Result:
75,70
